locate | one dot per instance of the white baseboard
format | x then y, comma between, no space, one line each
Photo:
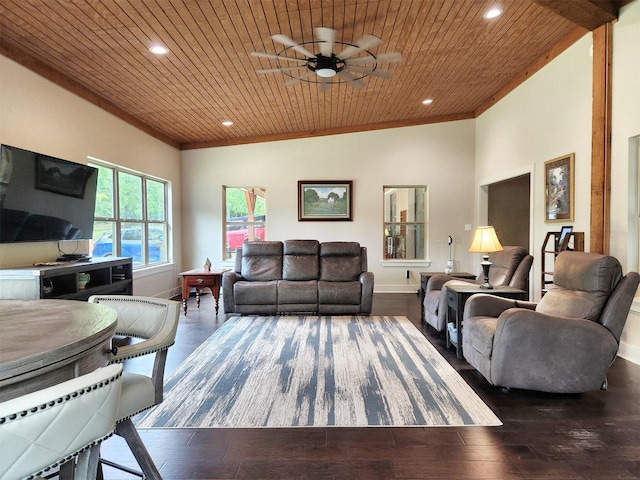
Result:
629,352
396,288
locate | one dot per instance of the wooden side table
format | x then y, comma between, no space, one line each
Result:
424,279
201,279
457,296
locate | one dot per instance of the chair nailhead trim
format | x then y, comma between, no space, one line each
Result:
52,403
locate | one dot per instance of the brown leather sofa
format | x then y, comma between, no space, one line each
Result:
299,276
508,267
566,342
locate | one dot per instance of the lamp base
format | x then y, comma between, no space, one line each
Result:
486,265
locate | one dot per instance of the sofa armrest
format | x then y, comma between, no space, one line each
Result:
228,279
366,301
437,281
487,305
553,354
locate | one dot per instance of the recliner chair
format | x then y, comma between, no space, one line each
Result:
563,344
508,267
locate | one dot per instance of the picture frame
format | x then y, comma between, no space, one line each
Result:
59,176
559,189
564,237
325,200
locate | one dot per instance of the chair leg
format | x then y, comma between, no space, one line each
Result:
67,470
87,464
128,431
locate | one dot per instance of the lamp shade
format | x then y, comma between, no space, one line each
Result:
485,240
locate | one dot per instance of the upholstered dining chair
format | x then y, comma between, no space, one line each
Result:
154,321
59,425
509,266
566,342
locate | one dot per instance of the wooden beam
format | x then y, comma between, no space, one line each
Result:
589,14
328,131
601,141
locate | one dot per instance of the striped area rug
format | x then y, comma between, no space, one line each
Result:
310,371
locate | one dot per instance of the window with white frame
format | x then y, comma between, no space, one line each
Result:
245,213
405,222
131,215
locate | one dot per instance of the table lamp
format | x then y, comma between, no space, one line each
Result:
485,241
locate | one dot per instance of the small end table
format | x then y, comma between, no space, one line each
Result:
201,279
457,296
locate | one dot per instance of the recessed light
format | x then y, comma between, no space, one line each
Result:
159,49
427,101
493,13
227,123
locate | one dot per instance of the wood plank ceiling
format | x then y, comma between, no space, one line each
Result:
99,49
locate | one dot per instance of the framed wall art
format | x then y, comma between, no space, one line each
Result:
325,200
559,189
563,238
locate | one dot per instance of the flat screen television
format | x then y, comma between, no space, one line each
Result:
43,198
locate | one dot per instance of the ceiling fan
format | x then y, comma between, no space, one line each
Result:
353,63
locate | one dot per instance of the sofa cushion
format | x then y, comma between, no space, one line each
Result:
340,261
582,283
344,293
297,292
261,261
255,293
301,260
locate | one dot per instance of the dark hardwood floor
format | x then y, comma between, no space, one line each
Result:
595,435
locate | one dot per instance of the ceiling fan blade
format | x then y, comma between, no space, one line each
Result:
287,42
326,37
391,57
298,79
278,57
365,43
275,70
325,84
369,71
354,82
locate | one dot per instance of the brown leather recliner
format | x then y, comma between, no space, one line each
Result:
566,342
509,267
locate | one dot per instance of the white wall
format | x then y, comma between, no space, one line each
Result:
37,115
546,117
440,156
549,116
625,124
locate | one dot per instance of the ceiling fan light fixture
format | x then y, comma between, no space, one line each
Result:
227,123
326,72
427,101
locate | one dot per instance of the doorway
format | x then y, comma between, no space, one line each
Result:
508,210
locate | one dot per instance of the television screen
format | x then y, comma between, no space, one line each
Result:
44,198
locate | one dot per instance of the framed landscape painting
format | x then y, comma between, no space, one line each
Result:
558,193
324,200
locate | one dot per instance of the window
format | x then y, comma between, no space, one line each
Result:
245,211
405,222
130,216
